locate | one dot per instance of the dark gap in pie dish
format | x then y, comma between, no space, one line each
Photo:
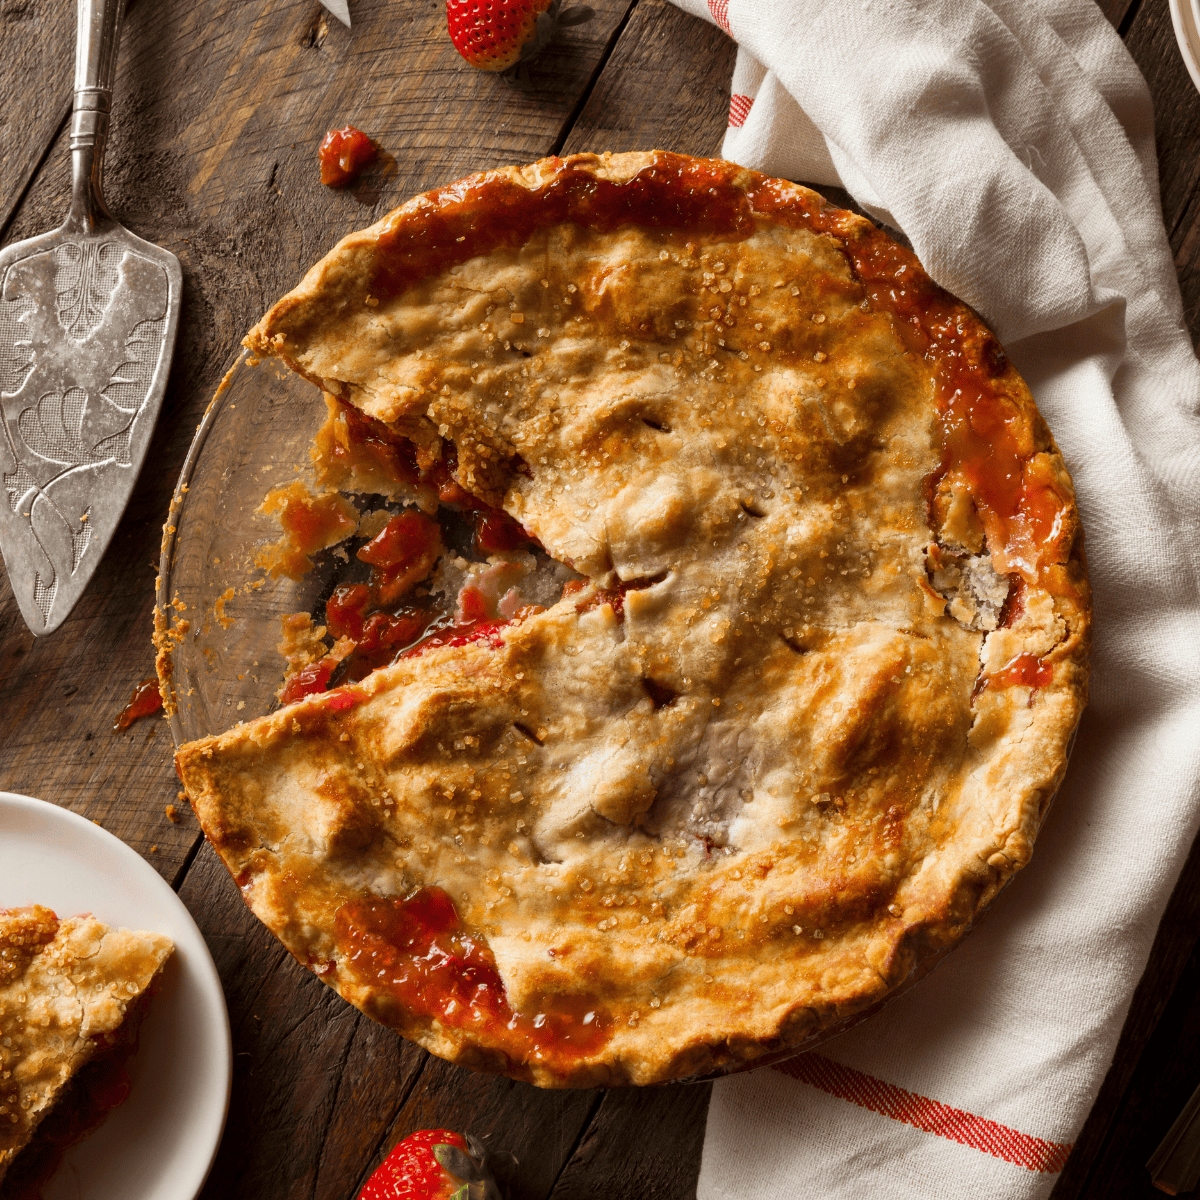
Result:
446,607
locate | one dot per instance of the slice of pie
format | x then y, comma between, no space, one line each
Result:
71,993
804,690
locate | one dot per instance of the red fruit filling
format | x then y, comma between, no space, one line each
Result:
401,555
496,531
388,617
145,702
308,680
418,950
343,154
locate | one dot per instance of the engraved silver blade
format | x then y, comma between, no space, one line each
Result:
87,322
340,9
88,316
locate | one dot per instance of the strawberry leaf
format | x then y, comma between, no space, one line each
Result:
458,1162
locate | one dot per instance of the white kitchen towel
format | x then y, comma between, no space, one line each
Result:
1012,141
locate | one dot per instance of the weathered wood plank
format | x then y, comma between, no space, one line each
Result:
1151,40
642,1145
666,86
37,62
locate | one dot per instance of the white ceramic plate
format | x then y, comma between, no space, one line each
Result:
159,1144
1185,16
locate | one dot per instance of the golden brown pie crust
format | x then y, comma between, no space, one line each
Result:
731,806
65,989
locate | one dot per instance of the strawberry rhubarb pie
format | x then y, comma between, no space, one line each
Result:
72,994
711,657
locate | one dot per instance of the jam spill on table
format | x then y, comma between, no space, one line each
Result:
145,702
418,951
343,154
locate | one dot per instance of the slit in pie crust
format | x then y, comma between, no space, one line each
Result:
802,720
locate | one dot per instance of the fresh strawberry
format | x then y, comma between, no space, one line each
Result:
503,35
433,1164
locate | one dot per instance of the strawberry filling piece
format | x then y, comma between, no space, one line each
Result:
401,555
343,154
309,680
417,950
403,607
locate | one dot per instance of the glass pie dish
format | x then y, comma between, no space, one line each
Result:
218,612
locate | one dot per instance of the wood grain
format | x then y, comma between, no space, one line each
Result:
1151,40
665,86
37,64
641,1145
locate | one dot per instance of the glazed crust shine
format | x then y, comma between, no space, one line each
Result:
703,819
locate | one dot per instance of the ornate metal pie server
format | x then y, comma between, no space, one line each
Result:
88,316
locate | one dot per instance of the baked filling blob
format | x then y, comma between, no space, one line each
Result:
761,694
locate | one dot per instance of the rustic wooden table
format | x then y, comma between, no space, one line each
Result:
221,104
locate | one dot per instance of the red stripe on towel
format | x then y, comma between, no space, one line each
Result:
930,1116
739,110
720,12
